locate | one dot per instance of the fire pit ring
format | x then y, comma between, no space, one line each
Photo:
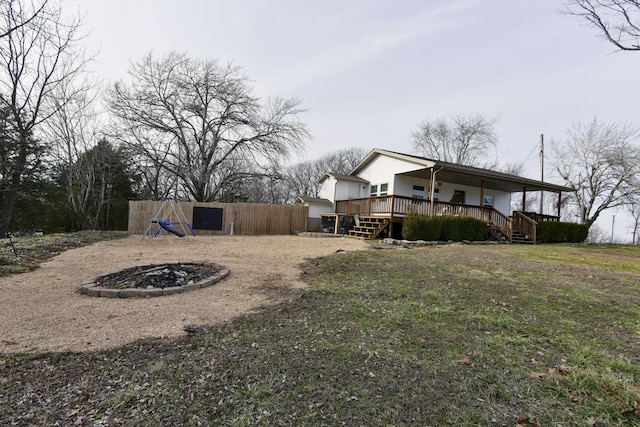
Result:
138,282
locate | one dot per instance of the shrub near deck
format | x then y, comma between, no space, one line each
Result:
456,228
561,232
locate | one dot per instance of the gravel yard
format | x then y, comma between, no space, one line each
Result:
43,311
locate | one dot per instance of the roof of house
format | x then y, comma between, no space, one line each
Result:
420,161
313,200
342,177
465,175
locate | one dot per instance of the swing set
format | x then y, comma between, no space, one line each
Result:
169,219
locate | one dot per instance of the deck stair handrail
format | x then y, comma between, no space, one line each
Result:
524,225
368,227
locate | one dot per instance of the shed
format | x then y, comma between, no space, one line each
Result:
317,207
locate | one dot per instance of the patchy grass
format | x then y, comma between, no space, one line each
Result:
605,257
447,335
32,250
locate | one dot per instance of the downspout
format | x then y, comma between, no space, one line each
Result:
432,189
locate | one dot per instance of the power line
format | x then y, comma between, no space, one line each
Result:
535,147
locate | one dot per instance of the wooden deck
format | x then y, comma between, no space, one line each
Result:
519,228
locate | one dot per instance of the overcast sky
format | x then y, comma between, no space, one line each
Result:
368,71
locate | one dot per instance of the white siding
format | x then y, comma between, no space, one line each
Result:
333,190
317,209
349,190
404,186
502,200
328,189
383,169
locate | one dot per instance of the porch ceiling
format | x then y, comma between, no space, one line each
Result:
473,177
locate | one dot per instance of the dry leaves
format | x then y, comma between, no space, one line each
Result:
522,422
552,373
463,361
502,304
633,412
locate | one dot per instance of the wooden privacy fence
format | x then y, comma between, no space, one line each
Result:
237,218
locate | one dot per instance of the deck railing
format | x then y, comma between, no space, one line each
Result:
540,217
401,206
383,205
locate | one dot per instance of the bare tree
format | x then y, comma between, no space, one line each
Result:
303,179
71,132
531,199
597,235
341,161
35,60
21,15
601,161
199,122
618,21
467,140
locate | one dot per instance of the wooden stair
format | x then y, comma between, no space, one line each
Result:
368,227
518,237
495,234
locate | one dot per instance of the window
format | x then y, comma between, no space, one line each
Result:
418,192
458,197
488,200
384,188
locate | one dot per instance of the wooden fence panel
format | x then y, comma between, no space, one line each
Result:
237,218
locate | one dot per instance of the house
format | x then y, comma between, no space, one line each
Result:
386,186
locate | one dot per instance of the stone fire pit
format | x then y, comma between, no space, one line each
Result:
154,280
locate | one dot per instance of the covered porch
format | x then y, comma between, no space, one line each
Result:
392,185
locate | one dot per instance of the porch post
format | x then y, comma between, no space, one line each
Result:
481,198
559,203
431,187
524,199
393,206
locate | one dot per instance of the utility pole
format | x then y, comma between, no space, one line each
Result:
613,221
541,172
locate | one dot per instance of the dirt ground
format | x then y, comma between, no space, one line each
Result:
42,310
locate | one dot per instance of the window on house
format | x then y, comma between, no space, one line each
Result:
436,194
458,197
418,192
488,200
384,188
